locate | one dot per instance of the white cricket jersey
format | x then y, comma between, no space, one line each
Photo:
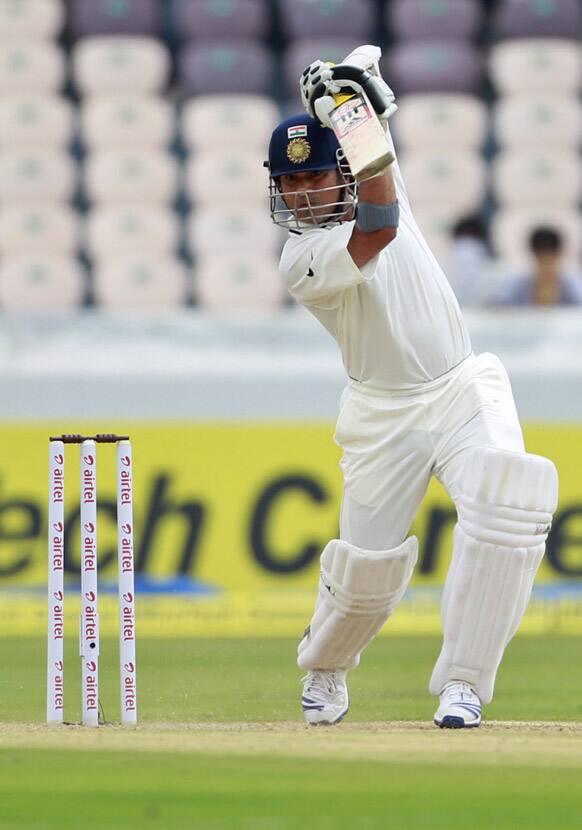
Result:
396,320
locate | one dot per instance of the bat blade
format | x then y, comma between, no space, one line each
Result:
361,136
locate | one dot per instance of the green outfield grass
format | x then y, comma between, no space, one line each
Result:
186,767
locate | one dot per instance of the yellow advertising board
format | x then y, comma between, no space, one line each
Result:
230,519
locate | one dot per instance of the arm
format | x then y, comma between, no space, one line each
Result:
317,268
365,245
359,72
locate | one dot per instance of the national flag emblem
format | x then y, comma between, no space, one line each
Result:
300,131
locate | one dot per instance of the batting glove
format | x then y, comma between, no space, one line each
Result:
320,82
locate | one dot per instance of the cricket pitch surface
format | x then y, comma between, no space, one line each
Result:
520,742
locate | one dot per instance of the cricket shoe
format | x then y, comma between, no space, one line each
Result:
460,707
325,697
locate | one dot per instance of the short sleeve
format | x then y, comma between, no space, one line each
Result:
316,264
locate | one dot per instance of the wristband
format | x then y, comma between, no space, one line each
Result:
370,217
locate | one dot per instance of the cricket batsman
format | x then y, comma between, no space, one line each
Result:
418,403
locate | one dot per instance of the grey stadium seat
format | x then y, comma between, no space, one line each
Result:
327,18
434,66
225,66
301,53
218,19
125,17
427,19
538,18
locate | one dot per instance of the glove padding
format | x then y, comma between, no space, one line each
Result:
320,82
366,57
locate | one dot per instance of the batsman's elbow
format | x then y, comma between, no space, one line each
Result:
365,245
390,235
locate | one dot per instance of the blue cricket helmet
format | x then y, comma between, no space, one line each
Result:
301,144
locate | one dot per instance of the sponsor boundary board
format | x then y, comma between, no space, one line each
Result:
230,520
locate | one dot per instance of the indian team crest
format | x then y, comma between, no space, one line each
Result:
298,150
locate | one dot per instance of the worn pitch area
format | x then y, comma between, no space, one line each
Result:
512,742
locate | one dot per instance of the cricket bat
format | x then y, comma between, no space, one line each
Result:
360,135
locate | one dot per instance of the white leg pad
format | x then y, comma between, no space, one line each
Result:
358,591
505,509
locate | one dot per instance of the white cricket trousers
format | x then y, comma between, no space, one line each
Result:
393,442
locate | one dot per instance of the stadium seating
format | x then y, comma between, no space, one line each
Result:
227,178
434,66
104,17
538,120
31,19
441,121
211,20
539,65
232,281
512,227
103,65
145,124
537,18
422,20
40,283
437,221
141,282
226,66
330,18
538,176
33,175
300,53
127,121
247,230
130,177
115,230
460,175
30,66
223,120
36,119
49,228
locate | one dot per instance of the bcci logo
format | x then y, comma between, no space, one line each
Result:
298,150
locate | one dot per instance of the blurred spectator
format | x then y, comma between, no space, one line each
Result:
548,283
470,269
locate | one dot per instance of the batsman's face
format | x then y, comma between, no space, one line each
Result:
309,195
